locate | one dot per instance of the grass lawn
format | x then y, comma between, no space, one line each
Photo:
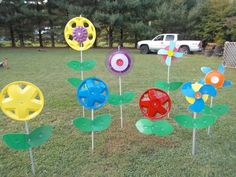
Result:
118,152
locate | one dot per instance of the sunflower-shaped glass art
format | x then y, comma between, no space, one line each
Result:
215,78
23,101
92,93
196,94
170,53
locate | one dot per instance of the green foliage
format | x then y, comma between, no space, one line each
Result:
120,21
100,123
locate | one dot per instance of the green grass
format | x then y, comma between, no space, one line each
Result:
118,152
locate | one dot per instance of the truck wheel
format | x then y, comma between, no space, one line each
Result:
185,50
144,49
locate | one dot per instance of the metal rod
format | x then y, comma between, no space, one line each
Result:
168,81
92,135
194,136
30,150
209,128
121,108
168,75
82,72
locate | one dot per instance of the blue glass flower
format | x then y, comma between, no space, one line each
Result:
197,94
215,77
170,53
92,93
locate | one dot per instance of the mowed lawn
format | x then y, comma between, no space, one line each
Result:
118,152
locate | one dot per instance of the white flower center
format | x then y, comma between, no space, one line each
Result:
214,79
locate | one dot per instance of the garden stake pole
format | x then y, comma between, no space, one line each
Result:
92,135
209,128
168,81
194,136
81,72
30,150
121,108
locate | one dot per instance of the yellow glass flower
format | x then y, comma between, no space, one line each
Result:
21,100
80,33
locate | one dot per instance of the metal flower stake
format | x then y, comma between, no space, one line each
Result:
119,62
155,104
196,94
92,93
80,35
169,53
216,79
23,101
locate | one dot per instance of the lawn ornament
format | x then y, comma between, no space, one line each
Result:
80,35
92,93
196,94
169,54
215,78
155,104
119,63
23,101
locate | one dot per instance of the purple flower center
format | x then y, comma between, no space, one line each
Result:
80,34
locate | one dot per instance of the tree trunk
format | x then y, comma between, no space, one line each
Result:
110,37
51,24
13,41
121,37
95,43
40,38
39,27
21,38
135,40
52,34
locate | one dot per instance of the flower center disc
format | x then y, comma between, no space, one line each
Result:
119,62
215,79
198,95
170,53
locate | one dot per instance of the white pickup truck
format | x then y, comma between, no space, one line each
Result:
161,41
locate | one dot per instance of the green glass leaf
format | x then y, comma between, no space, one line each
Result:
17,141
88,65
200,122
127,97
84,66
159,127
175,85
23,141
168,87
100,123
217,110
144,126
162,85
116,99
83,124
74,82
39,135
162,128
